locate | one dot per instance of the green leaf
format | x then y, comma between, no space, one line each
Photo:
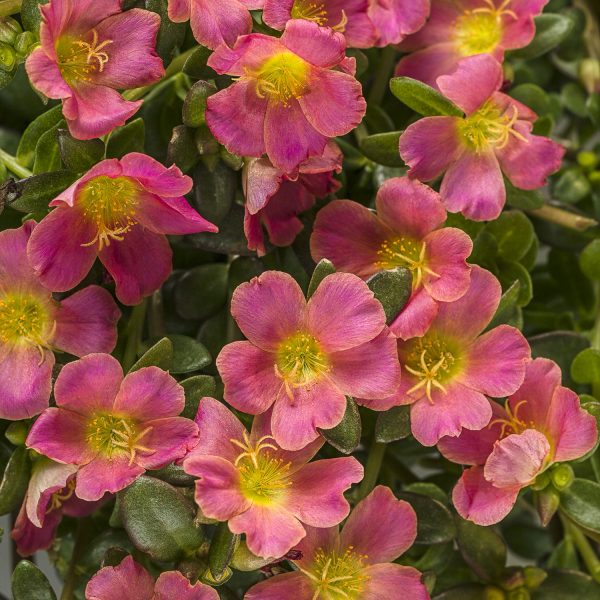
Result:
170,35
392,288
194,105
467,591
423,99
159,355
522,199
345,436
550,31
483,550
532,96
572,186
567,585
581,503
33,194
435,524
175,475
196,388
15,480
392,424
507,307
188,354
244,560
159,520
182,149
195,65
586,366
79,155
29,583
47,152
31,16
514,234
214,191
383,148
128,138
514,271
589,260
323,269
202,291
33,133
221,550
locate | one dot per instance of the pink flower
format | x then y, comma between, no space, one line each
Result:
261,490
493,138
88,50
112,428
215,23
33,324
448,372
291,95
345,16
130,581
395,19
119,211
542,424
461,28
50,495
357,562
406,232
274,200
302,357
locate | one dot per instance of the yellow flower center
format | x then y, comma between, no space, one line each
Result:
480,30
337,576
434,362
79,59
512,423
489,127
60,497
405,252
264,478
281,78
112,435
111,205
313,10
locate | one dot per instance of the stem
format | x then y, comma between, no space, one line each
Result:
134,334
595,340
156,317
68,592
9,7
563,217
11,163
374,462
382,75
583,546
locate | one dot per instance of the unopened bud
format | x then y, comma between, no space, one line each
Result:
9,29
16,433
494,593
547,502
587,160
8,57
24,43
210,579
540,482
534,576
589,74
562,477
520,594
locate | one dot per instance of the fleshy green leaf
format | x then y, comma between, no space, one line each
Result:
393,424
15,480
581,503
550,31
392,288
221,550
586,366
29,583
33,133
435,524
423,99
324,267
128,138
482,548
345,436
159,355
32,195
79,155
383,148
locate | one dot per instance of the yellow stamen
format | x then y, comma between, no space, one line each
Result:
79,59
405,252
512,423
60,497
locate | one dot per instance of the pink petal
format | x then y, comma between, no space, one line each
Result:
173,585
395,19
429,63
380,527
179,10
77,16
29,538
45,75
216,23
320,46
261,182
127,581
317,538
287,585
14,266
154,176
416,316
386,579
104,474
248,54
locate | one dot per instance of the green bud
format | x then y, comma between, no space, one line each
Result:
16,433
233,161
534,576
9,29
24,43
562,476
8,57
547,502
589,74
540,482
587,160
520,594
205,142
594,178
244,560
194,105
207,577
494,593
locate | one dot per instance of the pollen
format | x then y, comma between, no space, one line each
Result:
313,10
282,78
110,205
512,423
80,59
59,498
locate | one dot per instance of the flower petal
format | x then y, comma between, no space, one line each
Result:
416,317
127,581
104,474
45,75
287,585
386,579
320,46
173,584
216,23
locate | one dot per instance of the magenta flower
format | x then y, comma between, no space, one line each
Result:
448,372
302,357
349,17
292,94
33,324
130,581
119,211
261,490
88,50
493,138
50,495
215,23
395,19
274,200
542,424
356,563
112,428
406,232
462,28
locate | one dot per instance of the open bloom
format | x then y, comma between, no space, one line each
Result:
261,490
33,324
291,94
356,563
215,23
303,358
50,495
275,200
395,19
112,428
448,372
88,50
461,28
541,424
119,211
130,581
493,137
406,232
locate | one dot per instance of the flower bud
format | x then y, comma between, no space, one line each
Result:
520,594
540,482
207,577
16,433
534,576
9,29
562,477
547,502
8,57
587,160
24,43
494,593
589,74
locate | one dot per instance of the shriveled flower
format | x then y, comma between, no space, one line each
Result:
88,50
460,28
395,19
130,581
303,358
406,232
292,94
448,372
356,563
120,212
494,137
112,428
349,17
33,324
541,424
50,495
274,200
261,490
215,23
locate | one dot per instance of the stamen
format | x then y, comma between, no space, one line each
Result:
94,50
512,423
79,60
405,252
